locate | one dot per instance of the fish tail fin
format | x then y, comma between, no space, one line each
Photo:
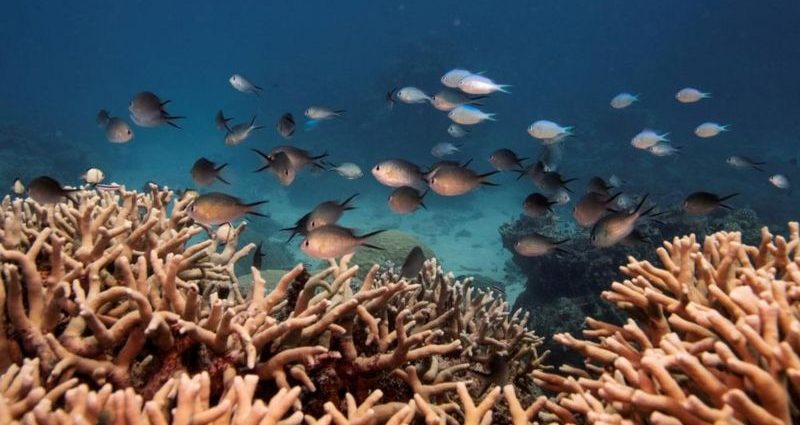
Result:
422,204
485,175
221,167
258,87
725,198
521,173
491,117
324,155
262,154
346,203
256,213
726,127
569,130
369,245
705,95
424,193
222,179
172,124
261,169
502,88
641,203
758,167
371,234
613,197
339,113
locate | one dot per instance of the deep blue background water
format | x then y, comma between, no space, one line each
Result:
60,62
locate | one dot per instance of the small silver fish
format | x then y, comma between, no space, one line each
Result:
457,131
548,130
320,113
243,85
443,149
741,162
469,115
447,100
93,176
348,170
691,95
623,100
240,132
412,95
780,181
452,77
664,149
18,187
118,131
480,85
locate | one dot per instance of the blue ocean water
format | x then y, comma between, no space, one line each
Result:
60,62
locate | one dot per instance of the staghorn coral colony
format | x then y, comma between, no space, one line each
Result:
119,310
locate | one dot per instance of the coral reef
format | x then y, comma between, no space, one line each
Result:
713,337
562,289
118,310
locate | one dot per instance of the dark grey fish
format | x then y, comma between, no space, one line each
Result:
552,181
413,263
221,121
219,208
505,160
204,172
329,212
598,185
537,205
47,190
534,245
299,227
740,162
257,256
286,126
702,203
535,172
406,199
102,118
391,98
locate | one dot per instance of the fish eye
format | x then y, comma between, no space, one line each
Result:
306,243
286,172
129,132
377,168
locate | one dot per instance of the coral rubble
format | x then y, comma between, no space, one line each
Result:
118,310
713,337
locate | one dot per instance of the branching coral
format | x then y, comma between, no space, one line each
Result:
127,314
714,337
